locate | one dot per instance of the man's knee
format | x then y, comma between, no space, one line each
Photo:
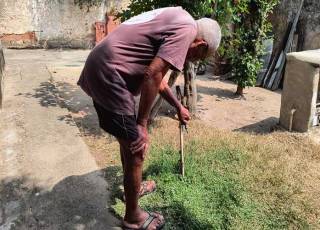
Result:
130,158
137,158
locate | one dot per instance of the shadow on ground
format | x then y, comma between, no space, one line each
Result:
76,202
262,127
222,94
65,95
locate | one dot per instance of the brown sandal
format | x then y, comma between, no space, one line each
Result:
144,188
145,225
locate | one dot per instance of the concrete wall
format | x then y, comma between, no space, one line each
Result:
55,23
2,63
308,28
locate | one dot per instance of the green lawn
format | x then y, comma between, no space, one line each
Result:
228,185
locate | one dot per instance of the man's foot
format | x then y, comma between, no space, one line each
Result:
151,221
146,188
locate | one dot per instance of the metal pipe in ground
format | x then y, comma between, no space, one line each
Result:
182,128
292,112
181,150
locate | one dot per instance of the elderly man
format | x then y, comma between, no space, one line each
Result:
133,60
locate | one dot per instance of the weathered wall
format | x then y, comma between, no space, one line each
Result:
55,23
309,24
2,63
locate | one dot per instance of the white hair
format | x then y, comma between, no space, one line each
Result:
210,31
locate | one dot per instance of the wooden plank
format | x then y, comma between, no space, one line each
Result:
276,69
276,57
287,48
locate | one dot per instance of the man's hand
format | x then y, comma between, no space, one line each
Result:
184,115
142,143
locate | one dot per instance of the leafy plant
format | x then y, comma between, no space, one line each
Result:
251,27
197,9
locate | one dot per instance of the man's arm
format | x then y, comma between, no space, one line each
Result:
167,94
150,87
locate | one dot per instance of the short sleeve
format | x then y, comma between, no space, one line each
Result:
175,45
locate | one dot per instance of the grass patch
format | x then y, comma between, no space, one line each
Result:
231,183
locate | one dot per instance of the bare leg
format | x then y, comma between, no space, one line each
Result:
146,187
122,157
132,164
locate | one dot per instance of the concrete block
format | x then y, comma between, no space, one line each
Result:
300,90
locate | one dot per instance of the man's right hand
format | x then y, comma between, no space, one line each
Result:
142,143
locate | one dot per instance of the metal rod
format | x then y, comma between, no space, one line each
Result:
291,119
181,150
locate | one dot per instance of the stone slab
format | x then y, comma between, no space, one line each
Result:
310,56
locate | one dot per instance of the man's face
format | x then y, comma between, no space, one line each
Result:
198,50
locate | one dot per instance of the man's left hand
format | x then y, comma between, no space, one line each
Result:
184,115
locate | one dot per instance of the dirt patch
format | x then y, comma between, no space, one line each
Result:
218,107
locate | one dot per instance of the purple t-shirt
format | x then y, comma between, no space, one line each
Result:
115,68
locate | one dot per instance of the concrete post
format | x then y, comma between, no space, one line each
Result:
300,90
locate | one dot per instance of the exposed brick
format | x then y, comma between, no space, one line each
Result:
100,31
112,23
27,39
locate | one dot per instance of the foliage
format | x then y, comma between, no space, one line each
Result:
197,9
244,25
251,27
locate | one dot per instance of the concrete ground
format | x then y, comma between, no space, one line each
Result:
48,178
